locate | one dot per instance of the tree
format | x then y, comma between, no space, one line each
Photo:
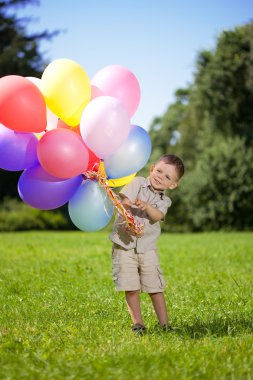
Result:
19,51
224,84
19,55
213,122
218,193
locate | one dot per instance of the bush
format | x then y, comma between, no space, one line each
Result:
17,216
218,193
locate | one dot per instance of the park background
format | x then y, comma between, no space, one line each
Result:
60,317
194,65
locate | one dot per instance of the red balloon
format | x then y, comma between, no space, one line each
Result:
22,106
94,161
62,153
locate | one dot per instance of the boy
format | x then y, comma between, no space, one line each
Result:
135,261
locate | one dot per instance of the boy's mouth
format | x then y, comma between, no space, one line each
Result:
158,182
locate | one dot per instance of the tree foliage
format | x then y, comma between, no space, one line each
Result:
213,122
19,50
224,84
217,194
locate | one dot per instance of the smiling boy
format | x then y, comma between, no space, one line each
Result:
135,260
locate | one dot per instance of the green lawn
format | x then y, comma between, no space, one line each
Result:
60,317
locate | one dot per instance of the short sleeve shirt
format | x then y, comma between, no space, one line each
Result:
140,188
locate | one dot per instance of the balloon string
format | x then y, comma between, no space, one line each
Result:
132,226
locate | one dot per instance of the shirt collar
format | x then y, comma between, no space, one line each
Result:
147,183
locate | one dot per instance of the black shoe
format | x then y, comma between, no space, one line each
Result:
139,329
167,327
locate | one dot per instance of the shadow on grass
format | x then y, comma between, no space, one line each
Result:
217,327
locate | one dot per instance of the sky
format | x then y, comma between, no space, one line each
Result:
158,40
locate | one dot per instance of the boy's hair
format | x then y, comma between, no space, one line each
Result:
173,160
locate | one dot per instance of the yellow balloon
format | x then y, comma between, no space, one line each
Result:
101,168
117,182
66,89
39,135
121,181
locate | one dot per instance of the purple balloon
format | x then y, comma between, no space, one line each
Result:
18,151
41,190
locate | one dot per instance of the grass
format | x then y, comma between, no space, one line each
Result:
62,319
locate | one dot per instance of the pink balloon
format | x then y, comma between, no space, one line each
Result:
52,119
104,125
96,92
119,82
62,153
34,80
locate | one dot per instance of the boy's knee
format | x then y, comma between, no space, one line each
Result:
131,292
155,295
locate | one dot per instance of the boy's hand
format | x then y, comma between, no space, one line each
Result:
153,214
141,204
127,202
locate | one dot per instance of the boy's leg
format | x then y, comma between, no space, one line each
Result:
134,307
159,305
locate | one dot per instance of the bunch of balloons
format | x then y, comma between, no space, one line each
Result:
57,128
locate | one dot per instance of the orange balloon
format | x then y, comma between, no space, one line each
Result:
62,124
22,106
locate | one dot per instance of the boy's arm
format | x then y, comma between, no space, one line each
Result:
153,213
126,201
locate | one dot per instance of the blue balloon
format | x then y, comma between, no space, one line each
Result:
90,209
41,190
18,151
131,156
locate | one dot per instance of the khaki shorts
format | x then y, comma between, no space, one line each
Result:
136,271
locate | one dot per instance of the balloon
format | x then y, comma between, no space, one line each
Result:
117,182
131,156
52,119
96,92
62,153
90,209
39,135
34,80
18,151
45,192
22,106
104,125
67,90
119,82
61,124
94,161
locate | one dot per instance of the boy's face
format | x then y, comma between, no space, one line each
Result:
163,176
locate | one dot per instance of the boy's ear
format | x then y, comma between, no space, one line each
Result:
152,168
173,185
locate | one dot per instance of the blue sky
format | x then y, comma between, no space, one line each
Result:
158,40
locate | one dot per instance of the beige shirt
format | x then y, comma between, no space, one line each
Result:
140,188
